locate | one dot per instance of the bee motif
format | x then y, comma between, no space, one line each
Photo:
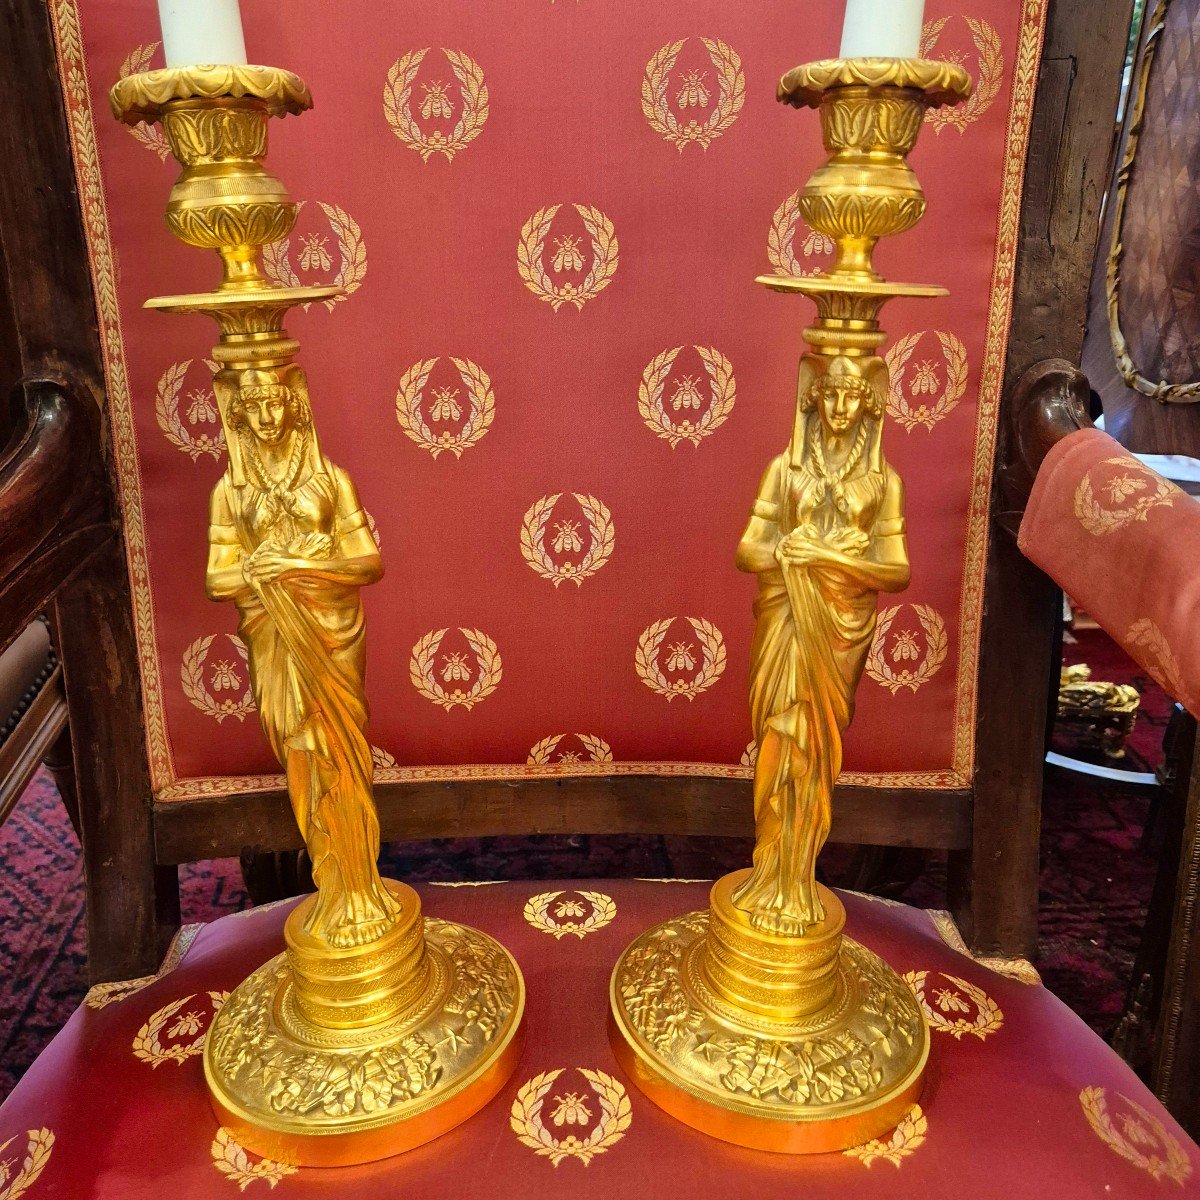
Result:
225,677
951,1001
568,908
436,102
188,1025
566,537
315,255
1137,1133
201,408
571,1109
454,666
925,379
1123,487
693,93
566,254
817,243
905,647
568,756
682,657
445,405
687,393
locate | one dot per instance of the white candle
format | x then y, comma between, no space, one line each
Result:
205,32
882,29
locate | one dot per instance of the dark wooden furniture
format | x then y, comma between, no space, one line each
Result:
133,844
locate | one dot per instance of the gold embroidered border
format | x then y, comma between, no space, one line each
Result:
991,378
1020,969
164,781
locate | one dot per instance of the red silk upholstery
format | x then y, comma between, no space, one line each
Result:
1024,1100
563,387
1123,542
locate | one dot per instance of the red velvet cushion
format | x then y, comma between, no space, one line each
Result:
581,97
1024,1101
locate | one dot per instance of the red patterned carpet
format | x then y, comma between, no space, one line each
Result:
1095,881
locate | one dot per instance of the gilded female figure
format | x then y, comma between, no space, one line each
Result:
290,546
825,536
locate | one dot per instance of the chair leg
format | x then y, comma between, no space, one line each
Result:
132,902
59,760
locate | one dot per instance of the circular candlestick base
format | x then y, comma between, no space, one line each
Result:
744,1065
320,1094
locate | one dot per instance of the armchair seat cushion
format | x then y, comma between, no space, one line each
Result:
1022,1100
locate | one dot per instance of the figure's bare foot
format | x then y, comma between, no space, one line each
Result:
357,933
773,920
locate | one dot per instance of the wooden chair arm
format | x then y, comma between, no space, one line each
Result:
1049,401
52,507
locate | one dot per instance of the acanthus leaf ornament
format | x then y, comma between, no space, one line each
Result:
703,669
232,1161
192,437
614,1118
656,102
548,913
226,676
704,419
601,538
472,423
352,257
599,274
473,113
39,1145
786,225
429,679
925,381
1142,1139
988,79
898,662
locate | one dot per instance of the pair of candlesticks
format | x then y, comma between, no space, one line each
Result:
376,1030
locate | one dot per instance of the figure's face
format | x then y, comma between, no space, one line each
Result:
267,416
841,406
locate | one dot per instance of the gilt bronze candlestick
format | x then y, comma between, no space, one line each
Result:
377,1029
758,1022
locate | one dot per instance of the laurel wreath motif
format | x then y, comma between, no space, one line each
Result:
411,393
532,268
657,107
600,547
936,645
712,666
542,753
424,657
101,995
166,412
750,755
898,407
537,913
192,678
986,85
1159,659
234,1163
38,1148
1172,1163
150,136
781,241
397,106
988,1017
148,1046
615,1117
906,1138
722,389
1098,520
352,251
